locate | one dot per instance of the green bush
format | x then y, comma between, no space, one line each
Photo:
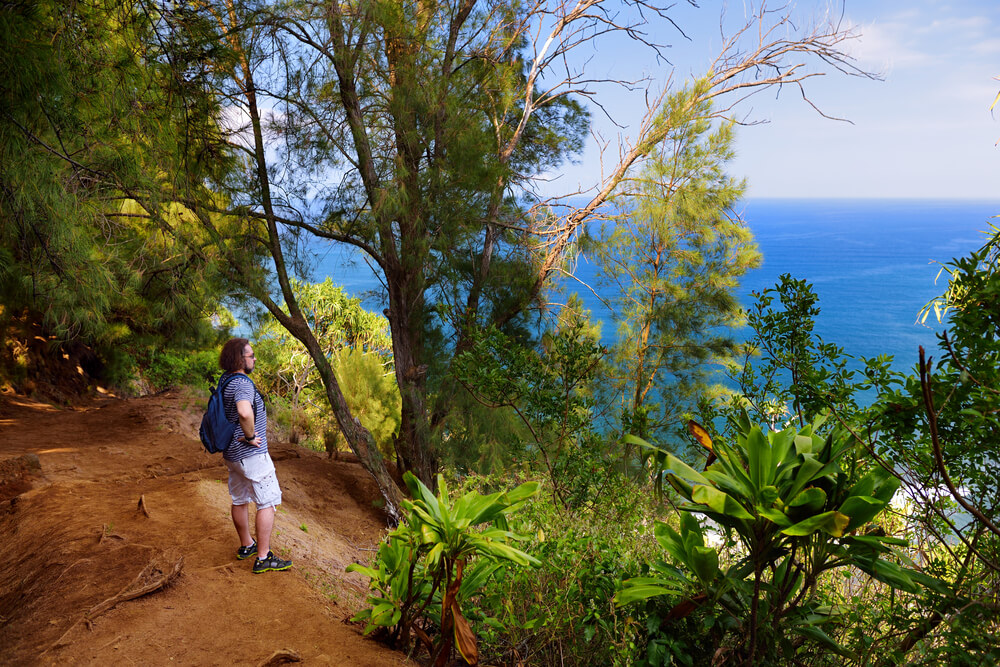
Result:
795,502
563,611
171,368
427,569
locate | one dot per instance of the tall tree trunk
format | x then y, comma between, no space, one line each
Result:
413,446
359,439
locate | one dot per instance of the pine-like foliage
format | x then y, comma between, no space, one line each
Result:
92,123
672,258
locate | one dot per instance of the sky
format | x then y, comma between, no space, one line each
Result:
925,130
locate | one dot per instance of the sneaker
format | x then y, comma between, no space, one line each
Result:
246,552
271,563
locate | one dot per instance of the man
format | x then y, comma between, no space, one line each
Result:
251,471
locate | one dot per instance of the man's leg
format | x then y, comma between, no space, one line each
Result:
241,519
265,522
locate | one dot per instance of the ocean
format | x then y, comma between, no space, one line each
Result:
873,264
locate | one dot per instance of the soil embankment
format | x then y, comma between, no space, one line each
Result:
119,548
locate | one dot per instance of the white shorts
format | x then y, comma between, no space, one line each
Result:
253,478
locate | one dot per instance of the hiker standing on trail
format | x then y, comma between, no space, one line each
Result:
251,471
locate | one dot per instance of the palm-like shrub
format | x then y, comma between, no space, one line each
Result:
433,562
794,500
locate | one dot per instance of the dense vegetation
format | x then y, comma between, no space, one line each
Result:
163,165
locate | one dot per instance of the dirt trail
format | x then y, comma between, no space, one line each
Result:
88,575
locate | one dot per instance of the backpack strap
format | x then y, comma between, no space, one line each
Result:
222,385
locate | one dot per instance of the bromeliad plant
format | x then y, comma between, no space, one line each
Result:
794,500
434,561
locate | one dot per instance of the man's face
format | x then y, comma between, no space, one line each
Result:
248,359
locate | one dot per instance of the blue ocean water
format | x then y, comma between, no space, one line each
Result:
873,264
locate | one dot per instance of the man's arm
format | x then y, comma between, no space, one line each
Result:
244,409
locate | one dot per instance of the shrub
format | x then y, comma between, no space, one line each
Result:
563,611
795,501
432,564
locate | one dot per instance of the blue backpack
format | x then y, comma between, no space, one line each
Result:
216,431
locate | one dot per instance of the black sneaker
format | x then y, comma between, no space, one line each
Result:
246,552
270,564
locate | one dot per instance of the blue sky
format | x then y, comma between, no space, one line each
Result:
924,131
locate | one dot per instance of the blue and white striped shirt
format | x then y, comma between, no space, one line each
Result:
241,388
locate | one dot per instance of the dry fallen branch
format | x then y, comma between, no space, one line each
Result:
152,578
157,574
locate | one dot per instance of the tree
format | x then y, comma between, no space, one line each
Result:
341,327
673,257
550,391
85,116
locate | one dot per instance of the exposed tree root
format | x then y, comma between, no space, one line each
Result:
158,573
142,505
283,657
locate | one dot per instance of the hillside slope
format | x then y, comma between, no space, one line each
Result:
120,550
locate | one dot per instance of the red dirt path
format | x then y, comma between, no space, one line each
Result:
76,545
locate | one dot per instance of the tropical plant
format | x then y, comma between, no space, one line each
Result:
434,561
794,500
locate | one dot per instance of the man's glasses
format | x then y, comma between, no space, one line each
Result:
250,356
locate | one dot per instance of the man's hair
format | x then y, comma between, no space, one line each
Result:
231,358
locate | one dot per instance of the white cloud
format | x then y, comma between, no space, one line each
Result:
920,38
888,46
986,47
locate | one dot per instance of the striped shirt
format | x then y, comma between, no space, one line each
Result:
241,388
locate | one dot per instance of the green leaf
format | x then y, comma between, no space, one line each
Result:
781,446
803,444
679,485
861,509
889,573
774,516
705,563
429,534
632,593
877,541
831,522
820,637
719,502
809,501
670,540
508,552
521,493
684,470
738,485
434,555
361,569
759,458
384,614
809,471
768,495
